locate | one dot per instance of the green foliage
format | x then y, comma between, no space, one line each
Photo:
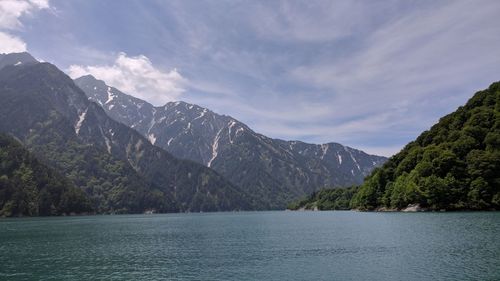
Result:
112,185
326,199
29,188
454,165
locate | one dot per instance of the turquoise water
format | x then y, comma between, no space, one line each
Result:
253,246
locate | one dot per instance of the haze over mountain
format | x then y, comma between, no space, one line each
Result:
119,169
274,170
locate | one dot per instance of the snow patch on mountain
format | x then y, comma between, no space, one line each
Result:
79,123
108,144
201,114
215,147
152,138
231,125
111,96
324,148
354,160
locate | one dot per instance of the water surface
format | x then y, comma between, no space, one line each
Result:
253,246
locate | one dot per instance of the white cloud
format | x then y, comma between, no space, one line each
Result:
40,4
10,44
11,12
137,76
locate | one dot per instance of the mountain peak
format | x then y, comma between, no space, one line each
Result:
16,59
90,80
183,105
88,77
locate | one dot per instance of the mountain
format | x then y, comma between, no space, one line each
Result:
453,166
273,170
117,167
28,187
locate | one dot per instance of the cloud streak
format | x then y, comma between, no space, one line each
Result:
410,65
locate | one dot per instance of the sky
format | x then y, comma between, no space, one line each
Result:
368,74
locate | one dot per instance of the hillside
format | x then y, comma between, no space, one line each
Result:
30,188
453,166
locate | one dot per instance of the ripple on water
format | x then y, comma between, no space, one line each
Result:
253,246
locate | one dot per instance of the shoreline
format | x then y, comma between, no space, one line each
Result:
412,208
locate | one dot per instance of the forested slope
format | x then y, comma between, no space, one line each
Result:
453,166
29,188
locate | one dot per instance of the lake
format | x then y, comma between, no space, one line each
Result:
253,246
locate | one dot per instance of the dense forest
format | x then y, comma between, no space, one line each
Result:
29,188
453,166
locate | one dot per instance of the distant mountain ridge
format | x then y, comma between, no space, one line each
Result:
276,171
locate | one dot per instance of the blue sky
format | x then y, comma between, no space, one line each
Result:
369,74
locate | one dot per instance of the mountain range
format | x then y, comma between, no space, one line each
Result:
275,171
119,168
129,156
